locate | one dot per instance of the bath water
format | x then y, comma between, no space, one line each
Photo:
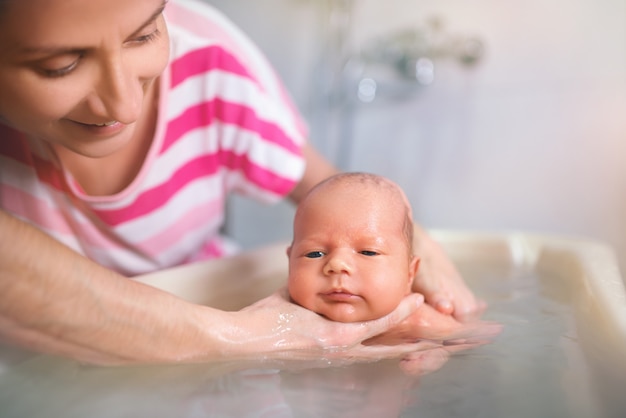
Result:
536,367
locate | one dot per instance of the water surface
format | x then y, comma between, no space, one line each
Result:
535,368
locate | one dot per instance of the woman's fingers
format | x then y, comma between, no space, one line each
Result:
407,306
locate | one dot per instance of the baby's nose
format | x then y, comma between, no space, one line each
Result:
338,262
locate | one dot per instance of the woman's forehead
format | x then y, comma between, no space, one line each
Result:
30,24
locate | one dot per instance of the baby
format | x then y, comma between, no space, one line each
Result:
351,258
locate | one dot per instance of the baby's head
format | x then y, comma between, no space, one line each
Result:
351,258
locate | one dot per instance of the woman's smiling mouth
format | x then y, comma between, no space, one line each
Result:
105,128
111,123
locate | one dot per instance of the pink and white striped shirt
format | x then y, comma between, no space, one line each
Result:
225,125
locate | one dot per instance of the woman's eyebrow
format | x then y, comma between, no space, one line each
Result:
54,50
50,50
152,18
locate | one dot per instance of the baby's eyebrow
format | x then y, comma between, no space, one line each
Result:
373,239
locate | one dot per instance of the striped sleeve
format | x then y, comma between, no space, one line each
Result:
222,85
225,123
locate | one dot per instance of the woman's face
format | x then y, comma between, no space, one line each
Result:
350,260
76,72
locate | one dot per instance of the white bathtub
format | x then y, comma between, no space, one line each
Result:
562,351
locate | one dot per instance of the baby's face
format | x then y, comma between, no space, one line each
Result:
350,260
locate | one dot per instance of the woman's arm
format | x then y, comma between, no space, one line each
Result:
317,169
56,301
440,282
53,300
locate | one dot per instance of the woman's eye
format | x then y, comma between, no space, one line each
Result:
314,254
369,253
61,71
144,39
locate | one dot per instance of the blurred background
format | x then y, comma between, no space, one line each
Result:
493,116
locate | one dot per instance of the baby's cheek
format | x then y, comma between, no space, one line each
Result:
386,302
292,288
299,293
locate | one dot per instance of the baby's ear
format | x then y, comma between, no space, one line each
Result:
413,266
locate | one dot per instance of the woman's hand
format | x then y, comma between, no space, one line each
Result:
440,335
276,329
427,361
440,282
426,323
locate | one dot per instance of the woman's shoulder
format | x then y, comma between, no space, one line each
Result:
200,20
203,39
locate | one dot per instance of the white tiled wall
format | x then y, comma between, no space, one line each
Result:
533,138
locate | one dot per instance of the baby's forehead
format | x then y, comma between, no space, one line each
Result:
355,188
365,187
383,198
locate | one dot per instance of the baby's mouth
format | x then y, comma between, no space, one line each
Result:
339,295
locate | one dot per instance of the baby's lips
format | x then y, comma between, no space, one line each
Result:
339,295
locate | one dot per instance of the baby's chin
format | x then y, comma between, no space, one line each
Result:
342,312
348,313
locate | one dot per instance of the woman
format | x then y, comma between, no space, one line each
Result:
123,127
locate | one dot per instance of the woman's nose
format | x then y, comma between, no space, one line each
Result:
338,262
119,92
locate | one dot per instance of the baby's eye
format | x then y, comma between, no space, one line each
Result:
314,254
368,253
